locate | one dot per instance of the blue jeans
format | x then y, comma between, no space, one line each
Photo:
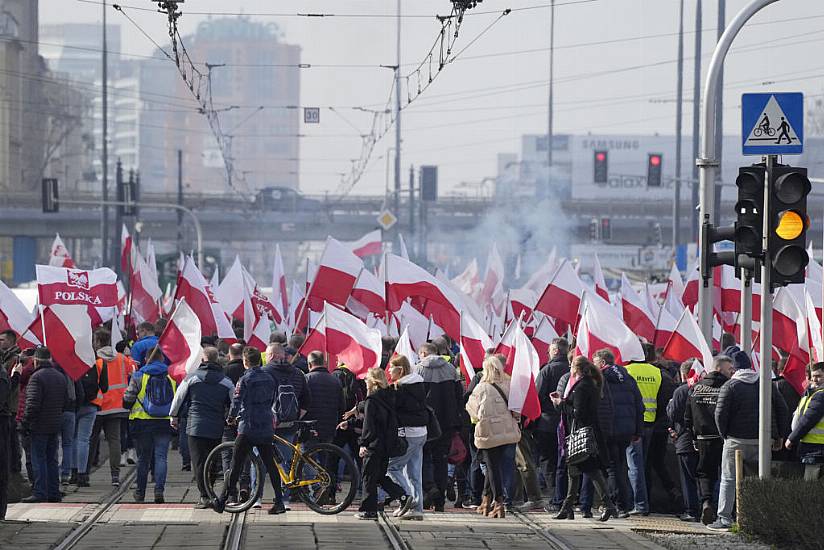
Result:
84,423
636,460
45,467
508,472
688,466
285,451
406,470
67,442
146,443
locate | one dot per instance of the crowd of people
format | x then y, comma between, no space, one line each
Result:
424,438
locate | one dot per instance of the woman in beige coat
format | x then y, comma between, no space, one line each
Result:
496,428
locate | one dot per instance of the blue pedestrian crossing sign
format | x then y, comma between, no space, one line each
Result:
772,123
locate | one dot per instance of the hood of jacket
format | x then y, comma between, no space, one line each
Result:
154,368
746,376
106,353
715,378
614,374
411,378
280,365
434,368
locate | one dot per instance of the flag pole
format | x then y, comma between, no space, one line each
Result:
660,310
42,322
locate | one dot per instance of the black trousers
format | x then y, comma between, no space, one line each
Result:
200,447
657,461
374,474
436,467
5,455
243,446
546,443
15,448
617,473
710,452
494,482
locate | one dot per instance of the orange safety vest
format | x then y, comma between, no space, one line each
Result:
119,370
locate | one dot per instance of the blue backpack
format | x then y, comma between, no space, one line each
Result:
159,395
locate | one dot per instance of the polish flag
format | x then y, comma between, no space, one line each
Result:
600,282
337,273
730,290
542,339
600,328
368,245
151,259
61,285
437,299
523,396
214,282
492,291
346,339
690,296
230,293
521,303
59,256
543,276
296,307
404,347
676,283
258,338
367,295
666,322
506,346
790,335
474,343
416,324
279,298
696,372
14,316
68,337
672,303
260,302
467,281
814,329
180,341
561,298
635,312
403,252
122,297
687,342
126,261
192,287
146,292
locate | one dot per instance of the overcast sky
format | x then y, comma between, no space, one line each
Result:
482,104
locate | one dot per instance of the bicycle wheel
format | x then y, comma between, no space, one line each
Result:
757,132
329,479
252,480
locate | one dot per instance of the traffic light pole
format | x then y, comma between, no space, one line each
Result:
765,348
746,310
708,162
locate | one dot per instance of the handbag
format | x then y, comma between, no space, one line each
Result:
581,445
433,427
457,449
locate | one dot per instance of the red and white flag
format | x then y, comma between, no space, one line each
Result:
506,346
635,312
404,347
469,279
542,277
474,343
561,298
415,323
403,252
59,256
696,372
346,339
258,338
690,296
687,342
151,259
126,261
14,316
492,292
601,328
192,287
598,277
790,335
676,282
279,298
523,396
68,335
260,302
542,339
367,296
814,327
230,293
368,245
296,307
337,273
180,341
61,285
146,293
521,303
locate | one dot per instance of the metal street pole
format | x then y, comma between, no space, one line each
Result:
551,100
104,213
746,310
679,114
696,124
719,113
180,199
398,119
708,162
765,349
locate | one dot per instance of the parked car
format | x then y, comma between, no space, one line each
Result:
284,199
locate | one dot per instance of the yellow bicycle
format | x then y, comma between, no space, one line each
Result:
322,475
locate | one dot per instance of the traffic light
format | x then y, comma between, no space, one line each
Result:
709,236
429,183
593,230
600,171
654,165
50,198
788,223
749,211
606,229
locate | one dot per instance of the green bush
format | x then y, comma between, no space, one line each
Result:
783,512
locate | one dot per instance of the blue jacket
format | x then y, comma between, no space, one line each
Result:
252,404
130,397
143,347
204,397
627,406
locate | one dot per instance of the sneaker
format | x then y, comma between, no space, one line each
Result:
64,480
531,505
366,515
438,507
31,499
552,508
687,517
82,480
139,497
159,499
587,514
186,468
218,505
405,504
276,509
257,504
450,491
123,460
203,504
131,457
412,515
73,478
707,513
470,505
637,512
115,480
719,525
623,514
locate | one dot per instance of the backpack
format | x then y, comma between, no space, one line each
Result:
352,390
157,402
286,406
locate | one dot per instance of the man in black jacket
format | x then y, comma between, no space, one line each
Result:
702,432
234,367
46,395
327,398
207,395
444,394
546,430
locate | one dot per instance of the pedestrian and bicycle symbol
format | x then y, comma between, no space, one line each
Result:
772,123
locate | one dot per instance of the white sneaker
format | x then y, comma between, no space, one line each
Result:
123,460
412,515
257,504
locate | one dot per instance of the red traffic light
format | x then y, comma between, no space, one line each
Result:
655,160
600,156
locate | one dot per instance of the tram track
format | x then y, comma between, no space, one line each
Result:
554,542
235,532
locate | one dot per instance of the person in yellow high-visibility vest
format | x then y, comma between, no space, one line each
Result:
649,379
808,424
